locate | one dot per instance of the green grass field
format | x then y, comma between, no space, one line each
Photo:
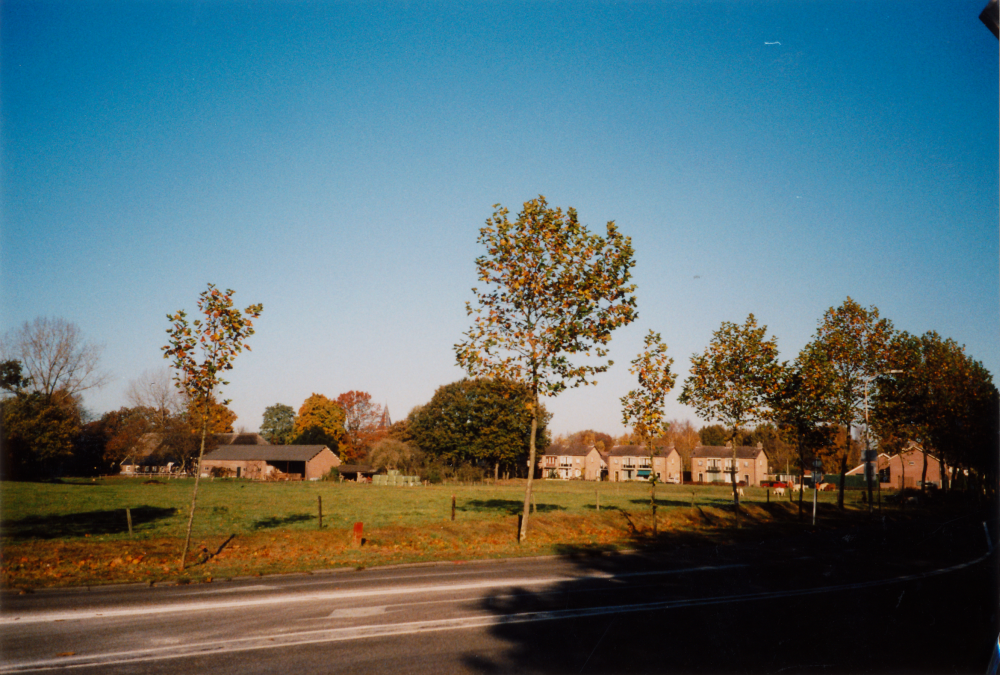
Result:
75,532
82,508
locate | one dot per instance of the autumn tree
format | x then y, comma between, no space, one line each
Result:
320,422
853,342
478,421
800,406
362,423
217,339
732,380
391,453
642,408
552,291
54,356
211,414
278,425
933,393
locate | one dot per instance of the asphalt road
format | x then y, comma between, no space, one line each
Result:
883,598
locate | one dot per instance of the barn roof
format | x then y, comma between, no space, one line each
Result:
266,453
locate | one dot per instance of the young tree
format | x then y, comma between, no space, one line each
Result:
642,408
218,338
732,380
278,426
55,356
362,423
553,291
854,342
320,422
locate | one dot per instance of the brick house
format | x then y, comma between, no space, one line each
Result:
714,464
905,468
632,462
568,463
271,462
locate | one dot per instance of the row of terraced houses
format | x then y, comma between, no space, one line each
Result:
709,463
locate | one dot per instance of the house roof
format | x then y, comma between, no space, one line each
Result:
266,453
241,439
155,448
577,451
356,468
726,452
639,451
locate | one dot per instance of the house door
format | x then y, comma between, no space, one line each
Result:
616,476
746,478
701,478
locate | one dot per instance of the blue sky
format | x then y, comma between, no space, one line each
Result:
335,161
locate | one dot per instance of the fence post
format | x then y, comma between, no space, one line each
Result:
320,499
453,507
597,493
128,516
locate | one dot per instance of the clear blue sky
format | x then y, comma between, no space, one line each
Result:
334,161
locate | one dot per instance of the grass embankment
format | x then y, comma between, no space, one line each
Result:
75,532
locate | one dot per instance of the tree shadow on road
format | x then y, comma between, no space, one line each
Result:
111,521
733,603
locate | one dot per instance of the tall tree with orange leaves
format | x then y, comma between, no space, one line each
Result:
552,291
362,424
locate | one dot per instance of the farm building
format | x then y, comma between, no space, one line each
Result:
270,462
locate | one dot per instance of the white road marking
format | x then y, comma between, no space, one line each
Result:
288,598
459,623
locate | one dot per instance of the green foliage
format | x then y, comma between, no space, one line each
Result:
713,434
852,343
478,420
332,475
731,382
12,378
801,406
939,396
278,426
38,433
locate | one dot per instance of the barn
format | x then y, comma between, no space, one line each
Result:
270,462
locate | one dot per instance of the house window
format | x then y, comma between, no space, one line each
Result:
746,464
911,463
699,462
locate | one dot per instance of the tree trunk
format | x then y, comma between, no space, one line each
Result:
523,534
923,476
496,472
802,480
843,467
197,478
736,495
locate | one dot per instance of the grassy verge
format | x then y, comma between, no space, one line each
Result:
76,532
